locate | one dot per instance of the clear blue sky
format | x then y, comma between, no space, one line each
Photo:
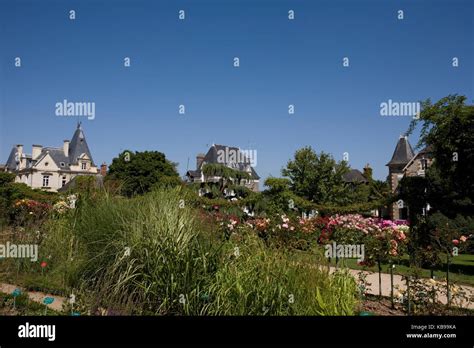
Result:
191,62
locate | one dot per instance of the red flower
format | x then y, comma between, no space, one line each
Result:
44,264
455,242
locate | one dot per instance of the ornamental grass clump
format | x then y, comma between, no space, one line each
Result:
256,280
145,254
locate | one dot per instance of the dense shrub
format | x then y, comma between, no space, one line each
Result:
11,193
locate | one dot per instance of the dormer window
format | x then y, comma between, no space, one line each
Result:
62,164
84,166
46,164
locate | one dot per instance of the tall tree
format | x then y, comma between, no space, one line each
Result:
448,130
317,178
139,172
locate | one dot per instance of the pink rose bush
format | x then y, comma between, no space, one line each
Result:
382,238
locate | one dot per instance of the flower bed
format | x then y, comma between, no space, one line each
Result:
28,212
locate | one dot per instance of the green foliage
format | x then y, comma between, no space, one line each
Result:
85,182
278,198
10,192
358,192
342,300
448,132
448,129
177,265
229,179
412,191
277,185
317,178
379,191
220,170
255,280
22,305
6,178
139,172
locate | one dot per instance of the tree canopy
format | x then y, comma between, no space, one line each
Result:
139,172
317,178
448,130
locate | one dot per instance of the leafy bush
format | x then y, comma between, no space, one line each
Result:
27,212
11,192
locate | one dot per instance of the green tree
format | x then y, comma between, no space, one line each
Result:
139,172
317,178
277,185
278,198
448,130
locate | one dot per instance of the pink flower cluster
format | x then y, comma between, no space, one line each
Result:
462,239
285,223
381,229
366,225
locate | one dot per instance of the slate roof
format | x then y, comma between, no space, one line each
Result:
212,156
354,175
194,173
427,151
11,163
78,145
403,153
56,154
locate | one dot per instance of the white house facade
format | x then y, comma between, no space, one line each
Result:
216,155
50,168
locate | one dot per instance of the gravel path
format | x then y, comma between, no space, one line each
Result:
373,279
36,296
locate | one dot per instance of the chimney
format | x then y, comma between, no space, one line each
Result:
199,159
368,172
36,151
66,148
19,149
103,169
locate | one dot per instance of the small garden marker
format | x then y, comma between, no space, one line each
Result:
47,301
15,293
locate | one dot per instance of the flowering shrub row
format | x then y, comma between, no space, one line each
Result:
28,211
382,237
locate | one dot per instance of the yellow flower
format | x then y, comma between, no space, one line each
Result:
398,294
